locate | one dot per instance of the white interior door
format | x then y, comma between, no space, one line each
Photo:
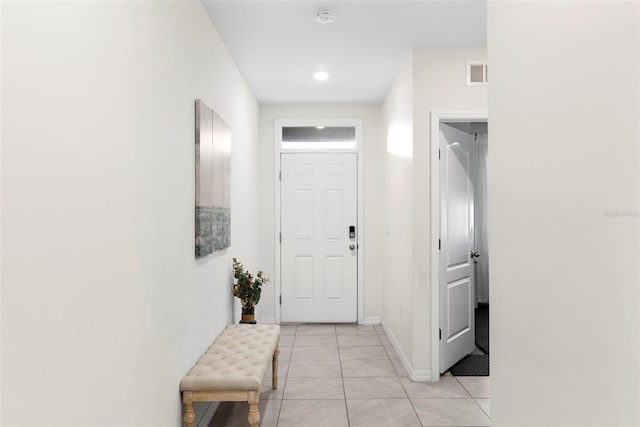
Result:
457,291
319,262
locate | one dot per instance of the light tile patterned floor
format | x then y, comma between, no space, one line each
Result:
350,375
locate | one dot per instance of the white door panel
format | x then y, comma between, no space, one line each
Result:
457,298
303,205
318,269
303,278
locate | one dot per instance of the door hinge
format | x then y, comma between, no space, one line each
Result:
280,175
439,244
280,299
280,237
438,154
440,331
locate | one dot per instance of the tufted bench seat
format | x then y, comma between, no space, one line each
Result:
232,369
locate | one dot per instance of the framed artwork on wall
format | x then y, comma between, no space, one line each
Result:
213,183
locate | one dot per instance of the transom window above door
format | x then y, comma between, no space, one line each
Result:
319,136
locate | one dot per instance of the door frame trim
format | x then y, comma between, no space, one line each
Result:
438,117
277,150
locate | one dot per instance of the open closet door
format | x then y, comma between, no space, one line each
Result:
457,290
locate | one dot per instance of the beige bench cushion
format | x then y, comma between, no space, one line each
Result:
237,360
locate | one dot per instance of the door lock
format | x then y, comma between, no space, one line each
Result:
475,254
352,231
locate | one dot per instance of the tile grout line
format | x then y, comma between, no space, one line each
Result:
344,389
402,385
281,401
287,376
474,398
393,365
481,408
463,387
468,392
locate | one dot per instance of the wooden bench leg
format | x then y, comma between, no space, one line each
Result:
254,412
274,378
189,415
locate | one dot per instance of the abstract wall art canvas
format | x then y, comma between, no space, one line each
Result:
213,184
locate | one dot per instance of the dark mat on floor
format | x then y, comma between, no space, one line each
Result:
482,327
472,366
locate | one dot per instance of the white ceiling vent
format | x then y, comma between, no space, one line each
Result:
477,73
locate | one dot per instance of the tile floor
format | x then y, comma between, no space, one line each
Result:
350,375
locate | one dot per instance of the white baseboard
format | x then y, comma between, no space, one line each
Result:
421,376
208,414
417,375
372,320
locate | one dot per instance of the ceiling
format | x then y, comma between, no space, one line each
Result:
278,45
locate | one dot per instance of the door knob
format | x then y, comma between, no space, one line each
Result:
475,254
352,246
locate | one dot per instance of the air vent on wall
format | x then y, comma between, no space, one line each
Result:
477,73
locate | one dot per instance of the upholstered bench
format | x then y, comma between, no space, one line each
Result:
232,369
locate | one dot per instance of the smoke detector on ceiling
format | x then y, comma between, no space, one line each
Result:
326,15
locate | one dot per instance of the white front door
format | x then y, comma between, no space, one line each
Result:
319,260
457,292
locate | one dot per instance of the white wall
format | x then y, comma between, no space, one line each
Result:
439,85
431,79
104,307
373,204
564,107
1,98
398,305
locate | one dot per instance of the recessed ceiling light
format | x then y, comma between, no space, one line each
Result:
319,127
321,75
326,15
